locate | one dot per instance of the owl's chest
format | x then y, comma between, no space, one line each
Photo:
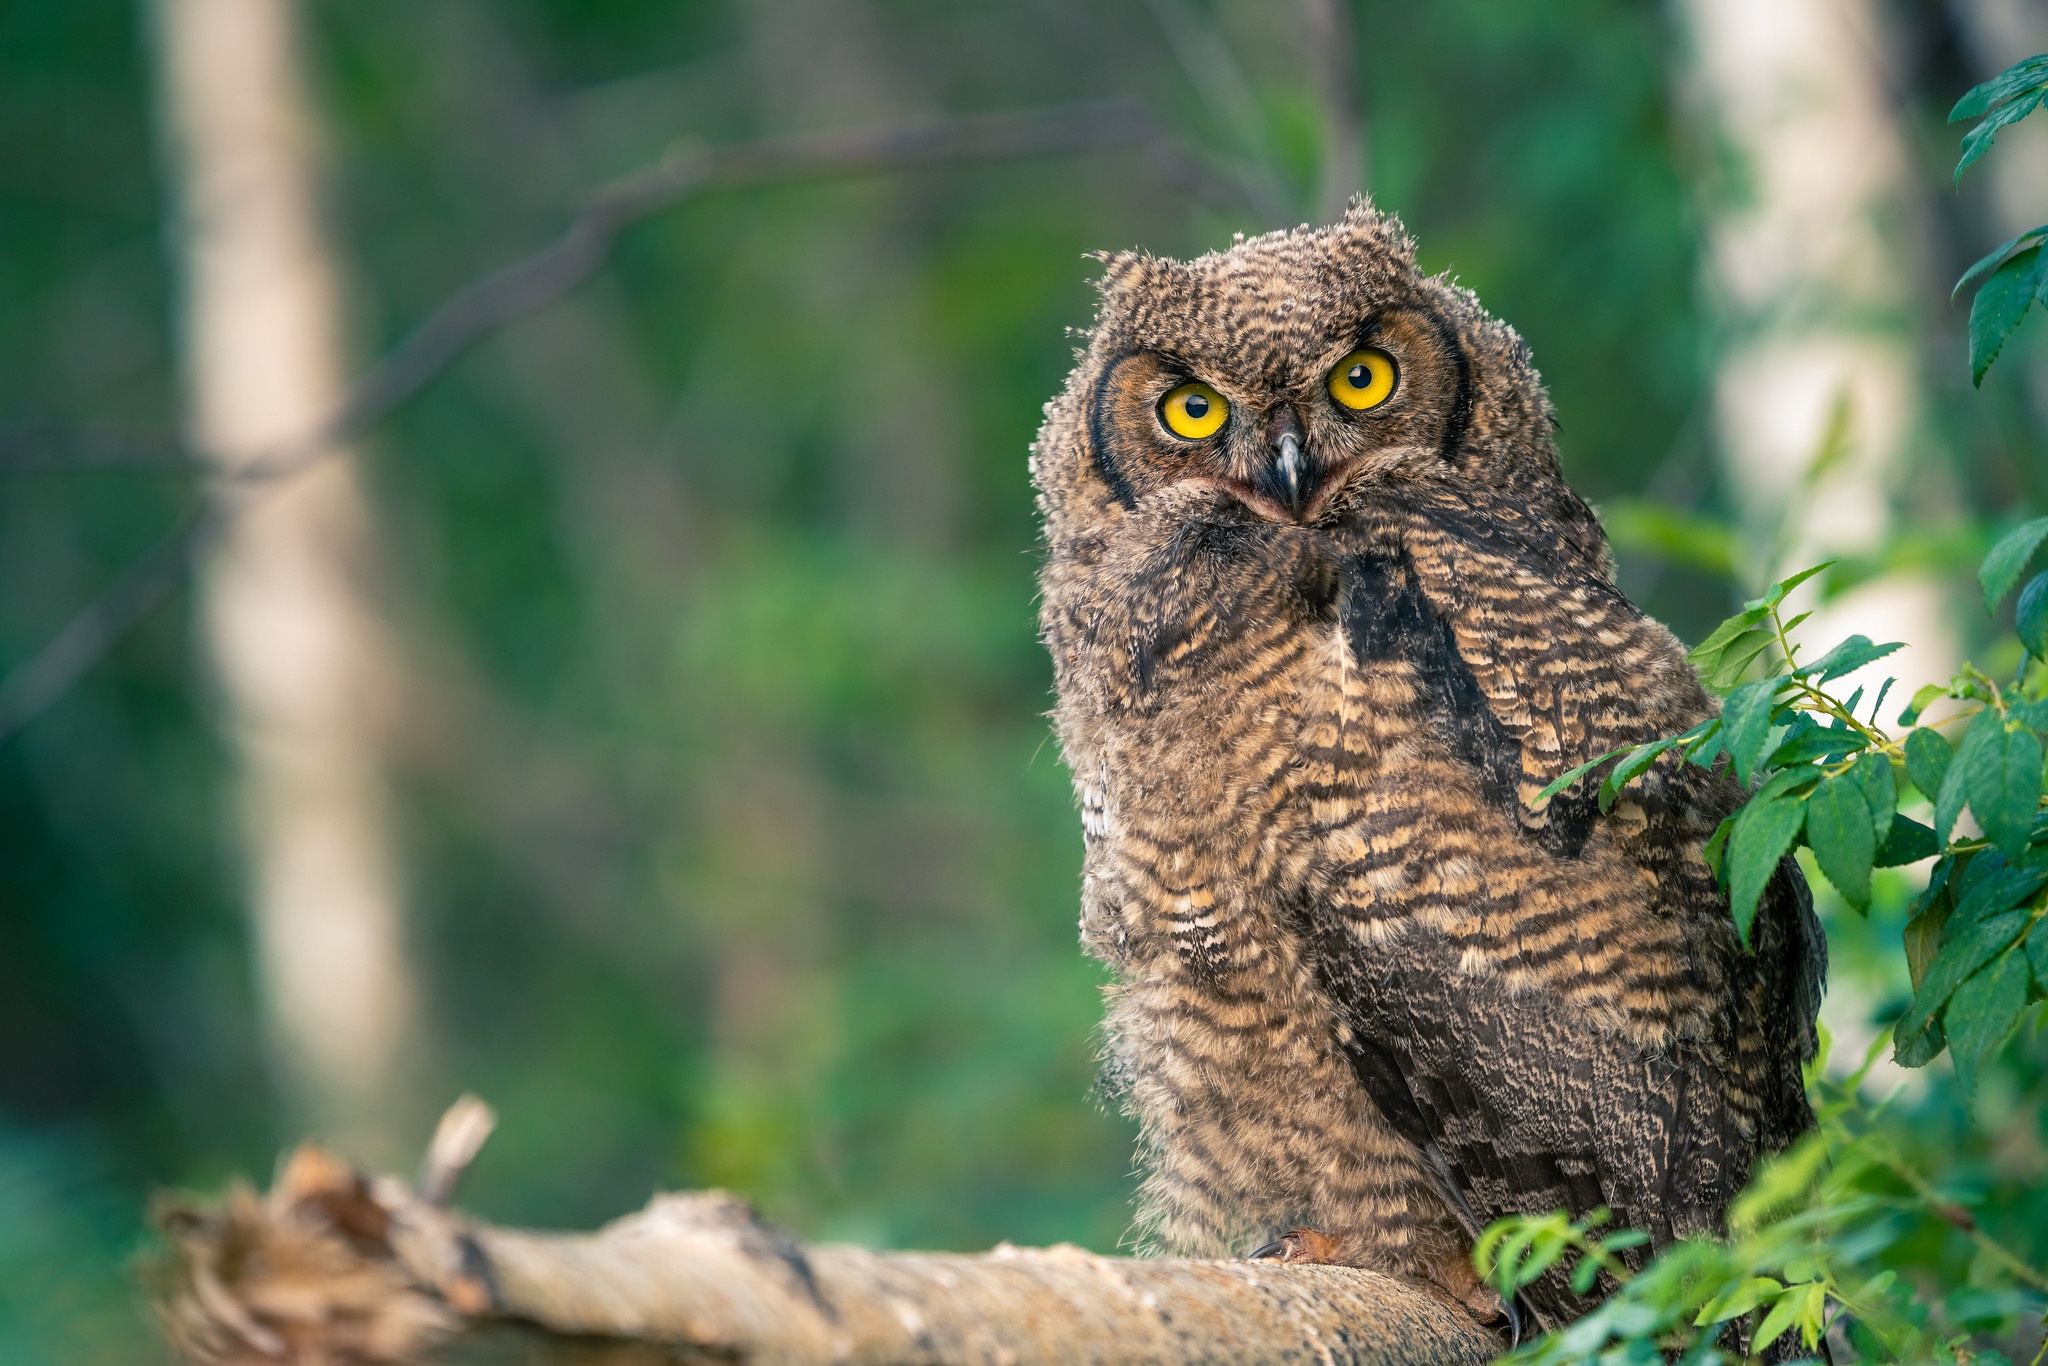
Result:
1245,757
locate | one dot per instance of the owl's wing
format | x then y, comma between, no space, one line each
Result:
1523,1104
1520,1106
1567,668
1508,1042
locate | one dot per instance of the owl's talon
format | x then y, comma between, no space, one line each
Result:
1301,1245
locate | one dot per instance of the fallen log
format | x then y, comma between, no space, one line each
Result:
334,1267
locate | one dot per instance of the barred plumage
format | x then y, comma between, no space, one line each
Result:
1313,671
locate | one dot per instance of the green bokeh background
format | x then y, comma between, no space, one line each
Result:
735,849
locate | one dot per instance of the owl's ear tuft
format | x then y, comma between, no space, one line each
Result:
1122,269
1387,231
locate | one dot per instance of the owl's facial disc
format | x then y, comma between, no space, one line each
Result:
1282,431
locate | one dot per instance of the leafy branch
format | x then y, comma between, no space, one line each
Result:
1805,1252
2014,274
1827,776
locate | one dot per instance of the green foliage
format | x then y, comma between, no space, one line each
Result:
1815,1243
1827,777
2014,274
1823,1231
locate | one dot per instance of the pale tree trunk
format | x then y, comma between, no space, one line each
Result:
304,669
1327,50
1815,235
334,1266
1815,238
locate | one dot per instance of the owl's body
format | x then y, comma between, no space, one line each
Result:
1313,667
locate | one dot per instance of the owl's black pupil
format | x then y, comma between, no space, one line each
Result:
1197,406
1358,377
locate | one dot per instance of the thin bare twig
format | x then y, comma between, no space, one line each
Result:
521,288
27,448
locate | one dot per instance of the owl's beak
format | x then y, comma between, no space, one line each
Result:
1287,463
1287,479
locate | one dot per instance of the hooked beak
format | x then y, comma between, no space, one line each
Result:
1287,463
1287,479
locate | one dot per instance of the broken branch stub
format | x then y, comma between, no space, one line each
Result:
335,1267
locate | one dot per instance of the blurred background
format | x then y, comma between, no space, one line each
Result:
642,724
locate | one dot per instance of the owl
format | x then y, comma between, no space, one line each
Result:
1325,620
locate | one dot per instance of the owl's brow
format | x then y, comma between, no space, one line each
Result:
1098,437
1459,420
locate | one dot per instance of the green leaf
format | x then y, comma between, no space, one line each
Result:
1908,842
1777,592
2030,617
1958,960
1746,724
1706,750
2037,954
2003,777
1917,1050
1784,1313
1873,774
1851,655
1631,768
1923,697
2016,79
2001,568
1808,741
1978,140
1717,843
2001,302
1738,656
1763,832
1570,776
1986,732
1928,754
1997,256
1739,1299
1838,830
2000,890
1709,650
1813,1315
1982,1013
1923,933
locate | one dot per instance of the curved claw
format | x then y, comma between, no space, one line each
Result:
1302,1245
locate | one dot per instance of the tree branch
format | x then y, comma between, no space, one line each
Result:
519,289
334,1266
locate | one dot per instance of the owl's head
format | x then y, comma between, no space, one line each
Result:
1276,381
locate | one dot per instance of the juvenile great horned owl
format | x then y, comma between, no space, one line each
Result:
1325,618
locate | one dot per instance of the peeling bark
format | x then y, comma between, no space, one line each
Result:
333,1266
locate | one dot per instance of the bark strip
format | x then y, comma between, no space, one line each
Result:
333,1266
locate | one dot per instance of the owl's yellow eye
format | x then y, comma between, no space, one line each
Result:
1194,411
1364,379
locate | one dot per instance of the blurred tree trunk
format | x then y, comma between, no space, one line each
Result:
1816,245
304,666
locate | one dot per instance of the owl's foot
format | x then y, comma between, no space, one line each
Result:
1304,1245
1457,1276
